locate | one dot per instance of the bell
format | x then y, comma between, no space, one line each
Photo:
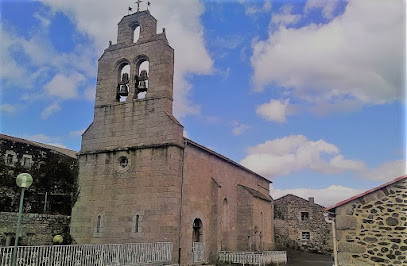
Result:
142,86
143,75
123,91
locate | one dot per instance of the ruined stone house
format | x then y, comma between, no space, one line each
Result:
299,224
142,181
371,227
47,202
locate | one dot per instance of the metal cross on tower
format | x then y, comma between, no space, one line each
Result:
138,4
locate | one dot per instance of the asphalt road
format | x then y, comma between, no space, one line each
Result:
298,258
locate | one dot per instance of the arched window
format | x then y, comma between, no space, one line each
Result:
225,216
136,34
197,230
123,81
98,224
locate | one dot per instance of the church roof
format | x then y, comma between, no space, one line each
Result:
332,208
257,194
220,156
66,152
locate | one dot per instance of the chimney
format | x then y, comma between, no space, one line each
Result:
311,200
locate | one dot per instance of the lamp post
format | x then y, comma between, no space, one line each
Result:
23,180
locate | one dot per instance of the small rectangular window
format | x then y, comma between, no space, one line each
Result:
10,158
26,162
305,235
304,216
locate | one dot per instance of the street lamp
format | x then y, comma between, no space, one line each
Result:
23,180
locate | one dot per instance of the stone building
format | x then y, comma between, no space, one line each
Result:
371,227
54,172
300,224
48,201
142,181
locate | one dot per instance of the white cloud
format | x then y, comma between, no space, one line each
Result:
239,128
45,21
8,108
327,7
76,133
252,9
355,56
386,171
324,196
10,72
56,144
65,87
275,110
50,110
184,31
185,134
228,42
39,138
90,93
294,153
42,138
285,17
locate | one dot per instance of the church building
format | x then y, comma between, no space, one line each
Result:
140,180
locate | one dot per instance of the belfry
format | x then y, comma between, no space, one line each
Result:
141,181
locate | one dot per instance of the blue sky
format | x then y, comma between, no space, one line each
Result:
310,94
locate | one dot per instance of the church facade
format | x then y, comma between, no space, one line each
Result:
141,181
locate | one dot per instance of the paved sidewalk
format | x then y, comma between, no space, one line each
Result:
298,258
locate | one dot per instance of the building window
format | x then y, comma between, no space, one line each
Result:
305,235
26,162
197,230
304,216
98,224
123,161
10,159
137,220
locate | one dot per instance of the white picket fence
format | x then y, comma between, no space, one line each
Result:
253,258
90,255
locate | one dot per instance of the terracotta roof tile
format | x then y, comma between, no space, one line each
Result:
365,193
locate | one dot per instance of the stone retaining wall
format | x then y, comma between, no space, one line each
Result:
36,229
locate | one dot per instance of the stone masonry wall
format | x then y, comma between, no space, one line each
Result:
289,226
208,181
36,229
372,230
136,203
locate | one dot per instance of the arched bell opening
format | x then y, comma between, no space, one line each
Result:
136,34
123,84
141,77
135,26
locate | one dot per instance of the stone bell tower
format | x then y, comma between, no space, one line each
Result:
131,155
